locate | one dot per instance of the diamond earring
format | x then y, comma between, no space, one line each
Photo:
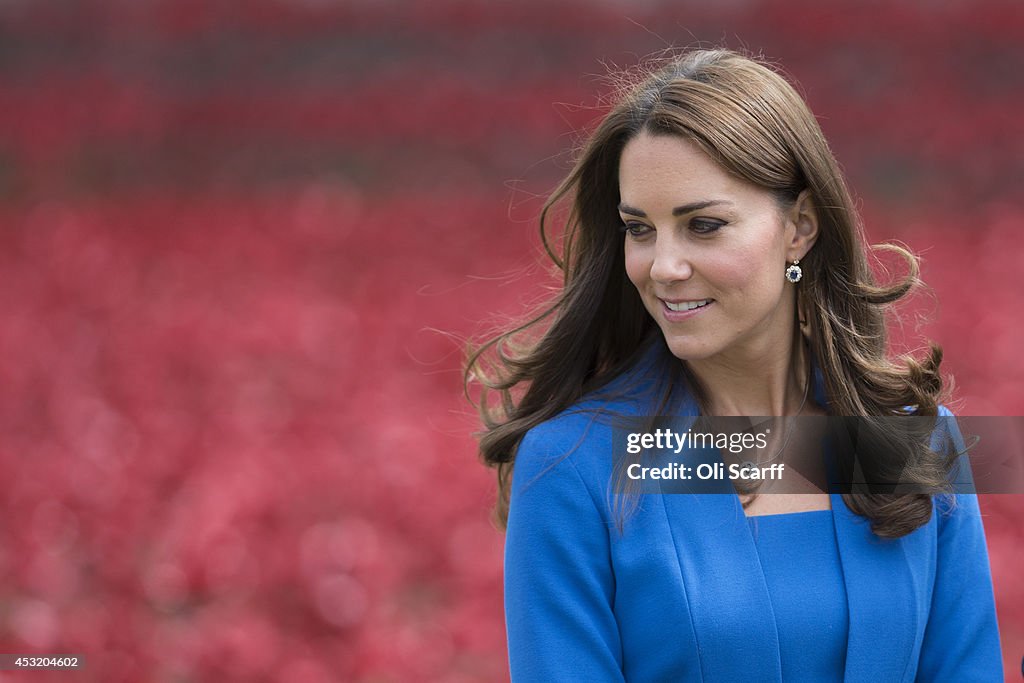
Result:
793,272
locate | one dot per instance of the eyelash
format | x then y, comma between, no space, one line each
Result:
638,230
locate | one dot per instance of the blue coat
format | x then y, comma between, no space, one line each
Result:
680,596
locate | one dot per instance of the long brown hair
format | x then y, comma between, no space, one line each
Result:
752,122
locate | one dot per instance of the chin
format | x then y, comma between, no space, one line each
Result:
688,350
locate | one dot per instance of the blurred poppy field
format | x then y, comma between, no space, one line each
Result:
242,247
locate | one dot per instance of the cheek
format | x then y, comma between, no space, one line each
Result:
747,284
736,275
754,281
757,270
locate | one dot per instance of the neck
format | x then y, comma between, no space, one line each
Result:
759,385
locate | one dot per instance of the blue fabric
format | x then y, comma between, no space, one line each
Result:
800,562
680,594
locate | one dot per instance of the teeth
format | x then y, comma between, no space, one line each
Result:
687,305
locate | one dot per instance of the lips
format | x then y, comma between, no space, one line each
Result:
680,306
683,310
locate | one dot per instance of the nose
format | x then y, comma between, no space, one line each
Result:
671,261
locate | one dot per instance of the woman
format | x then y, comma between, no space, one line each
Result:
713,265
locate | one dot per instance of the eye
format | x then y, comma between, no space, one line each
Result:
636,230
703,226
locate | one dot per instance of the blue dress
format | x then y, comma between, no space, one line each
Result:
800,561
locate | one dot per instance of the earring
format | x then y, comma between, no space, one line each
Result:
793,273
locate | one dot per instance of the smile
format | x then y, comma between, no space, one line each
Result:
686,305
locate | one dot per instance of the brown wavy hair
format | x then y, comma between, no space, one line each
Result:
751,121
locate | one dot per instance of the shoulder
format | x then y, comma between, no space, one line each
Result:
947,434
581,435
960,505
578,440
560,477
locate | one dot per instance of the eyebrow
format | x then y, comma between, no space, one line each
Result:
678,211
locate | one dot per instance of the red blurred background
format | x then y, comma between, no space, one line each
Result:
242,245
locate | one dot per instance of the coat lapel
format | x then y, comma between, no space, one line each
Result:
880,588
881,593
725,587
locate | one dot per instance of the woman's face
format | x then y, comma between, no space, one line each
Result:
707,252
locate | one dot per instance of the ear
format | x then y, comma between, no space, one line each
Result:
804,217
